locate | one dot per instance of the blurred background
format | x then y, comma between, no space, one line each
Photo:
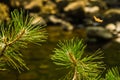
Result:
97,22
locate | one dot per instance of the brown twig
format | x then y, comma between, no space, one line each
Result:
75,75
72,58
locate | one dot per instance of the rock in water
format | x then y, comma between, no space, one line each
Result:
98,32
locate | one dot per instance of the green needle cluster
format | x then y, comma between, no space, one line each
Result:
113,74
69,55
16,35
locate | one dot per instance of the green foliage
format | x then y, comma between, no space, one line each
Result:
16,35
69,55
113,74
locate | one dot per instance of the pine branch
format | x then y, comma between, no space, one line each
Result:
9,43
18,33
113,74
69,56
17,37
72,58
3,49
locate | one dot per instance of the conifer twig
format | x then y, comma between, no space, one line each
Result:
69,57
17,34
3,46
75,75
72,58
3,49
9,43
